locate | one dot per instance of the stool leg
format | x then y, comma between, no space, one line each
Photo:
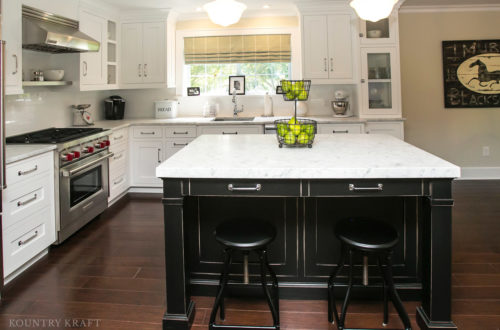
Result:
332,308
385,292
219,298
348,293
272,307
275,284
394,294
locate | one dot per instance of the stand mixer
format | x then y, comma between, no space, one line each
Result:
340,104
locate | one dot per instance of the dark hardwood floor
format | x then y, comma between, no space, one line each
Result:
110,276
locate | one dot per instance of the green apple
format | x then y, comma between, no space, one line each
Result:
295,128
290,138
290,95
302,95
292,120
303,138
282,129
286,85
308,129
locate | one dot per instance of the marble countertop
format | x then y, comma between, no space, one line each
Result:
331,157
17,152
118,124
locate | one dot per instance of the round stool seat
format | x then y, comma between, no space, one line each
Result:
366,234
246,234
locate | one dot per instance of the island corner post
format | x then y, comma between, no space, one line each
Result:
435,214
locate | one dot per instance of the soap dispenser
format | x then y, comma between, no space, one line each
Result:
268,105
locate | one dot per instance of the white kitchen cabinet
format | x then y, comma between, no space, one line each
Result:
93,68
29,212
380,82
146,155
340,128
118,165
395,128
12,35
328,48
143,53
381,32
230,129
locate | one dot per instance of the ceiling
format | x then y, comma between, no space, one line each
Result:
189,6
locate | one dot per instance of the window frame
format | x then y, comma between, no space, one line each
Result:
296,62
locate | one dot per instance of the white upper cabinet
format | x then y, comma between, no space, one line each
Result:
381,32
12,35
93,67
327,42
143,53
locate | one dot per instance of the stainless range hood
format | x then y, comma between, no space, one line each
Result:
50,33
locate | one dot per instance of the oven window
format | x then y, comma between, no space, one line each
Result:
85,185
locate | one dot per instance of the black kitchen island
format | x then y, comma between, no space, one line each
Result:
304,192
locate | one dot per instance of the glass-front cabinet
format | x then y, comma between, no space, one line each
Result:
381,32
380,84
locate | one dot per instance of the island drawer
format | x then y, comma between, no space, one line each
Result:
239,187
371,187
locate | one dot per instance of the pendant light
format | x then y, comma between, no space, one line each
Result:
224,12
373,10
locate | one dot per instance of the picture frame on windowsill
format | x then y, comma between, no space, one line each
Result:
237,85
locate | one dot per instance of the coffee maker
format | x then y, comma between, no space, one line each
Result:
114,107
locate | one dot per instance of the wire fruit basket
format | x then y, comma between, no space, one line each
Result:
295,132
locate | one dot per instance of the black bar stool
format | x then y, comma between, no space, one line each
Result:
246,236
367,237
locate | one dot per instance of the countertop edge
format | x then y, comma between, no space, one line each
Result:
14,152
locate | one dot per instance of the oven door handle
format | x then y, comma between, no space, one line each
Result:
73,171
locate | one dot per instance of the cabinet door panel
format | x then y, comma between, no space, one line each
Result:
154,52
12,34
340,47
315,44
132,51
145,157
92,68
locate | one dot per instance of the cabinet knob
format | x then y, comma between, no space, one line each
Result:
363,81
361,35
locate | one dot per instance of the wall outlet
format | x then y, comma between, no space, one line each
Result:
486,151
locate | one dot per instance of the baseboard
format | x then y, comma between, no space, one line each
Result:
480,173
146,190
25,266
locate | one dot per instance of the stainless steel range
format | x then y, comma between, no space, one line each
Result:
81,173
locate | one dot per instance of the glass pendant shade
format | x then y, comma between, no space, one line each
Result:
373,10
224,12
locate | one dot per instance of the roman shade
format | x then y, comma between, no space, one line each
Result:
266,48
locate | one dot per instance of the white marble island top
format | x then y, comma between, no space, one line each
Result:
347,156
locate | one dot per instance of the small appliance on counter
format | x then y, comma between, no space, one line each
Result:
82,117
340,105
114,108
166,109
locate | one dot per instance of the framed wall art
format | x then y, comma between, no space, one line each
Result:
237,85
471,73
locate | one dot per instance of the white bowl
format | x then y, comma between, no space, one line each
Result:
53,75
374,33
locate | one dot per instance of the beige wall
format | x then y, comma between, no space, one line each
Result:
457,135
251,22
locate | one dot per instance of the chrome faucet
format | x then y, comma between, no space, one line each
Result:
236,111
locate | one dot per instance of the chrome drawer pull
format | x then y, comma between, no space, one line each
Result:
28,240
344,132
28,171
119,181
231,187
230,133
118,137
181,133
19,204
180,144
118,157
379,187
147,133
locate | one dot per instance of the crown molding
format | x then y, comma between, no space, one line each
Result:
451,8
247,14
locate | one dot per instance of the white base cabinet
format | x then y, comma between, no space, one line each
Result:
118,165
29,211
230,129
395,129
340,128
150,146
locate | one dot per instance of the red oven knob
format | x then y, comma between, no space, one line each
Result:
107,143
100,145
88,150
67,157
76,154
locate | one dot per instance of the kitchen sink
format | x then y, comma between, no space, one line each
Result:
234,118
